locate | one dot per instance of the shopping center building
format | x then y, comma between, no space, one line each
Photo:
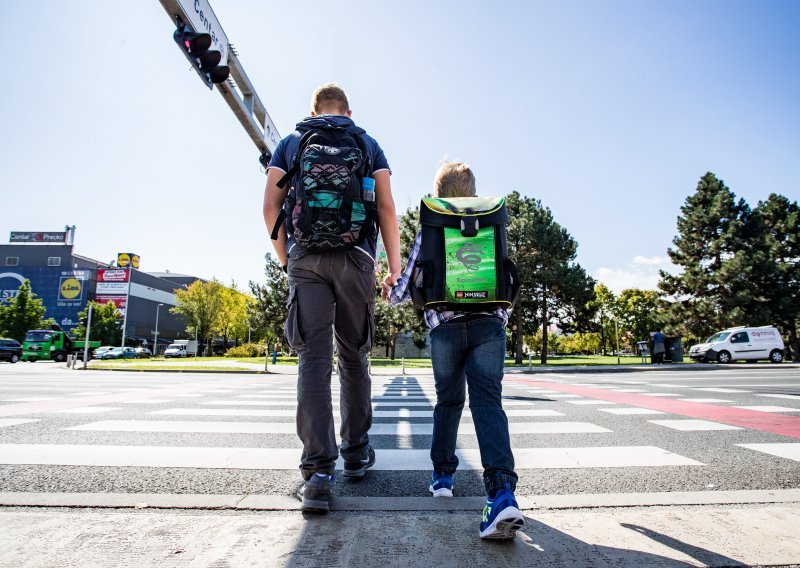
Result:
66,281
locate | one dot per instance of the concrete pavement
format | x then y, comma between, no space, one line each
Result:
678,535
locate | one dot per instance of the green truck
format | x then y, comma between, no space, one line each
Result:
46,344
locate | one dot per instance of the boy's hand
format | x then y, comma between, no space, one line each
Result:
387,284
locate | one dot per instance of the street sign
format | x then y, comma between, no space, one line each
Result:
202,18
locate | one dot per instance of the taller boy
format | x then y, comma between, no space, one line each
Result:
331,278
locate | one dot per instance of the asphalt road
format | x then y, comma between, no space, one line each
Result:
65,431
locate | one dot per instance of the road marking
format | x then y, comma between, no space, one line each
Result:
769,408
786,396
743,417
563,396
704,400
589,402
89,393
668,385
288,458
720,389
659,394
630,411
7,422
786,450
31,399
86,410
272,412
147,401
629,390
399,429
693,425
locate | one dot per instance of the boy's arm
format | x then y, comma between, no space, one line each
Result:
273,202
401,292
387,222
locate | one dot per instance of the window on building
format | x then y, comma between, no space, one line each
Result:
12,261
53,261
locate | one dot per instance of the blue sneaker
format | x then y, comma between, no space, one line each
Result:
501,516
441,485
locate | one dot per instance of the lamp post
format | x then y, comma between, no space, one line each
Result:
155,335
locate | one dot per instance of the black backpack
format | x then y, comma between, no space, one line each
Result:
463,264
326,207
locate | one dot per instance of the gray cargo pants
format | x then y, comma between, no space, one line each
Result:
332,292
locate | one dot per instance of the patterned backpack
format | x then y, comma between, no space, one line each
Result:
326,208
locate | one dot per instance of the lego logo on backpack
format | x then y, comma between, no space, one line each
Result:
472,295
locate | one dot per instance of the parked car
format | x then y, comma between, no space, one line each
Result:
10,350
97,353
741,343
119,353
143,352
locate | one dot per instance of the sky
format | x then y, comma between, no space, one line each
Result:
608,112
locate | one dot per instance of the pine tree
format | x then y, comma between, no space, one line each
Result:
713,291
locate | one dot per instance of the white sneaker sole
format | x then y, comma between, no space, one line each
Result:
505,525
441,492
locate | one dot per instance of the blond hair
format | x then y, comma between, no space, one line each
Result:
454,179
329,97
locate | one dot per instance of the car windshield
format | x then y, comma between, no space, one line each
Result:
717,337
36,336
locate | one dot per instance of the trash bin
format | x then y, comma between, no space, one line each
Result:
673,349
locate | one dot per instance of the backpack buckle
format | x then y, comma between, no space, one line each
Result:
469,226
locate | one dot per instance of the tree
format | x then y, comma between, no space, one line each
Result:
105,324
781,234
637,312
201,304
715,289
553,285
232,320
22,313
603,304
267,314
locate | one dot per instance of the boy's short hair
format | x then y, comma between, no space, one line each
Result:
328,97
454,179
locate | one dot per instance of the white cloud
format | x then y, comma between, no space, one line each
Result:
642,273
650,261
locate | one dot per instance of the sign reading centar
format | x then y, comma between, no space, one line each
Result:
128,260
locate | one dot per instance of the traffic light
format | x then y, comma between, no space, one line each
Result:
197,47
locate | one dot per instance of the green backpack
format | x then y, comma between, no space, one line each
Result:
463,263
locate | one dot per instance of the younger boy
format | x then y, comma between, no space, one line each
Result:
468,348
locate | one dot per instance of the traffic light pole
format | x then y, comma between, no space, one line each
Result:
237,90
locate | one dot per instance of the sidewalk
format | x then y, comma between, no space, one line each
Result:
679,535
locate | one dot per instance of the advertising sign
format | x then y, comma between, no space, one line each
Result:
112,288
112,275
28,237
127,260
9,285
121,302
70,288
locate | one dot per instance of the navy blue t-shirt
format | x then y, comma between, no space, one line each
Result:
287,149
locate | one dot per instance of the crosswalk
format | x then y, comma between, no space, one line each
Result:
555,423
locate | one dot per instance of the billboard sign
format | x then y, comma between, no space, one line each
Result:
9,286
121,302
29,237
127,260
113,275
112,288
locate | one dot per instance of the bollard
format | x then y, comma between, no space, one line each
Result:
404,365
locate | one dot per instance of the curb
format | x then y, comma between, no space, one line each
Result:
426,504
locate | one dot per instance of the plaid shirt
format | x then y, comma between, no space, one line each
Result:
401,292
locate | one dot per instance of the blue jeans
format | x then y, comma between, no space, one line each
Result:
470,351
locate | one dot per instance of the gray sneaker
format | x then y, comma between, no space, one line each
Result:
359,468
315,493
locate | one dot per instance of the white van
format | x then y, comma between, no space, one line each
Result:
740,344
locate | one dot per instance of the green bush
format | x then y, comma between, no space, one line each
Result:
247,350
